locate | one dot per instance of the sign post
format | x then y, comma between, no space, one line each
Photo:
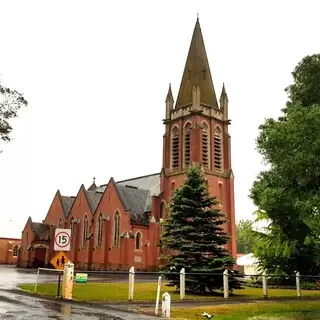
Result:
62,240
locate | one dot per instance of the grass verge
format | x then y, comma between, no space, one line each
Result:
147,292
289,310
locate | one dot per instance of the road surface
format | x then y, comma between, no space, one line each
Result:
15,306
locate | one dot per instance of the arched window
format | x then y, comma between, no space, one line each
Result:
186,144
116,237
60,224
162,210
138,241
205,145
15,251
175,148
100,230
218,156
85,231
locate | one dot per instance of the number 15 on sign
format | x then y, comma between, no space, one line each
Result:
62,240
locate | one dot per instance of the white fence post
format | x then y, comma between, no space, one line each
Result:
156,310
264,284
68,279
298,284
166,305
131,283
226,284
182,283
37,279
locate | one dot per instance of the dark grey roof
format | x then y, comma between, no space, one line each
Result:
66,203
93,199
41,230
135,194
144,182
134,199
93,187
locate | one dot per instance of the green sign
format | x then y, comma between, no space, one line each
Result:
81,277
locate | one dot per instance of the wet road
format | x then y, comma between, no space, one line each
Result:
15,306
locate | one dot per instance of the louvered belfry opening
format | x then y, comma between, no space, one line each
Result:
175,148
187,150
218,150
205,146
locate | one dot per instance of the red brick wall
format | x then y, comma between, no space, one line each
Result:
7,246
79,253
219,186
52,218
55,212
27,238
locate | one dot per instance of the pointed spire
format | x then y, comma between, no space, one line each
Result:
223,96
224,103
197,73
169,103
169,97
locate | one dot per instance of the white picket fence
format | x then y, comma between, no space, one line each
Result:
166,299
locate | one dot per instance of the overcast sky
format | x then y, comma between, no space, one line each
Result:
96,75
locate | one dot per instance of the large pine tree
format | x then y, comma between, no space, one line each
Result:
193,238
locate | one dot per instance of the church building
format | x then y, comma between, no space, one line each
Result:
117,225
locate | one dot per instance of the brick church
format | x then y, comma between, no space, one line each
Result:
117,225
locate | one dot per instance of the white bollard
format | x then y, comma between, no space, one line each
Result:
182,283
68,277
131,284
166,305
156,310
264,284
37,279
225,284
298,284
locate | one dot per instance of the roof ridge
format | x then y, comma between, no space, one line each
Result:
145,176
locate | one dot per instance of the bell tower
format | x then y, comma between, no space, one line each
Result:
196,133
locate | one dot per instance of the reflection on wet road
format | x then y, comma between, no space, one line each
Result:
14,306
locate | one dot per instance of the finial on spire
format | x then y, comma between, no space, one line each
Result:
94,180
198,15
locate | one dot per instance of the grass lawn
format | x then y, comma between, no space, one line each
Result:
292,310
147,292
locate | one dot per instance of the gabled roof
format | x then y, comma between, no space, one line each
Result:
143,182
135,195
93,199
66,203
41,230
134,200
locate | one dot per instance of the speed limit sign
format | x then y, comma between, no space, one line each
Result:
62,239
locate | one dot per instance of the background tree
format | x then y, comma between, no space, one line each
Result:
10,103
194,238
288,192
246,236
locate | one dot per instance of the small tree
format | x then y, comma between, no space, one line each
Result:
246,236
194,239
10,103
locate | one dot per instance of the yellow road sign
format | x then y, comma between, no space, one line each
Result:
59,260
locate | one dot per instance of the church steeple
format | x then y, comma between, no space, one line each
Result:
196,79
